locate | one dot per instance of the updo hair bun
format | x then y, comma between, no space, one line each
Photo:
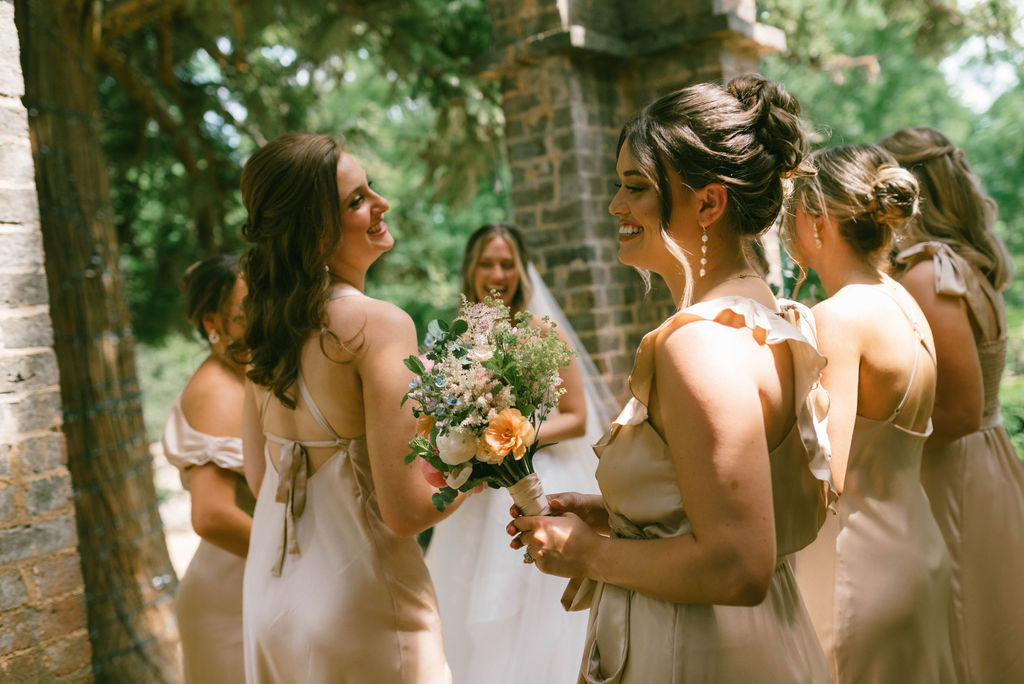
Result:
775,123
894,195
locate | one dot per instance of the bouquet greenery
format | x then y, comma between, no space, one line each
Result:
482,389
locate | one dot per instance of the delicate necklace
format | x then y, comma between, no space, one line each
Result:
738,276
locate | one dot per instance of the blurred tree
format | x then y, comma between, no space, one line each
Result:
191,89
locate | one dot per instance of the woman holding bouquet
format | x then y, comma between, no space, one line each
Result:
719,419
335,585
485,593
955,267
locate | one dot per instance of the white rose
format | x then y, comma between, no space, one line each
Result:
457,446
458,477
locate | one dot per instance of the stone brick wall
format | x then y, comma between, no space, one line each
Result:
572,72
43,635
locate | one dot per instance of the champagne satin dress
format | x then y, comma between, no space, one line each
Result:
975,485
877,578
208,603
635,639
331,594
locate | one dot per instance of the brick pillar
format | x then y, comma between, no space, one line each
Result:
572,72
43,634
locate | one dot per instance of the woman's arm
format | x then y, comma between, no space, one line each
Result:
403,495
215,517
571,420
959,390
840,379
212,404
253,440
709,382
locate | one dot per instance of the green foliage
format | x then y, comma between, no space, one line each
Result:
190,89
1011,396
163,370
862,70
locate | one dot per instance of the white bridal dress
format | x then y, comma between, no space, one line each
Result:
502,619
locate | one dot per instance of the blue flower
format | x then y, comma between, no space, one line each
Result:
415,382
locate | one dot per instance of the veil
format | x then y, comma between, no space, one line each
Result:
601,403
485,592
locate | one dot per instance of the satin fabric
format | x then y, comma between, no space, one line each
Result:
877,579
208,602
976,489
352,602
633,638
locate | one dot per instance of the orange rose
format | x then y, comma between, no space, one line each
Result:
424,424
508,432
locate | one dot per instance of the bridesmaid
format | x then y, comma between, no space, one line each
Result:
707,476
877,579
203,438
955,267
485,594
335,585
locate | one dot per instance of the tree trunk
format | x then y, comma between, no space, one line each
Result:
128,576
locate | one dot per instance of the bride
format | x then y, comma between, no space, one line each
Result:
502,621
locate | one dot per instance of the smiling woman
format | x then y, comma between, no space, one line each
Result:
335,586
720,417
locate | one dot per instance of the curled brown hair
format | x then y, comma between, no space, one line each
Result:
290,190
864,190
207,286
954,207
475,246
747,136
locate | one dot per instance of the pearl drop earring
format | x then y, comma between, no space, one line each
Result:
817,238
213,336
703,250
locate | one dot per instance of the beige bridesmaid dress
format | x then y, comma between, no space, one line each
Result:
877,578
208,603
331,594
976,489
635,639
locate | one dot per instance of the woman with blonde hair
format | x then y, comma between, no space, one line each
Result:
877,578
955,266
335,585
711,475
485,593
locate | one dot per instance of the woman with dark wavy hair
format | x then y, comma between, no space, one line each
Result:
956,267
877,578
335,584
712,473
203,439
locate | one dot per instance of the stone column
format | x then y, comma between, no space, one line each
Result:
572,72
43,635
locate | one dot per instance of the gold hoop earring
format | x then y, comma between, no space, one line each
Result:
703,250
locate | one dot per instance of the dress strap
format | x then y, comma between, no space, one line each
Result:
293,473
343,290
917,351
314,410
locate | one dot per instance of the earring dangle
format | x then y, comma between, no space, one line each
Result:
213,336
703,250
817,238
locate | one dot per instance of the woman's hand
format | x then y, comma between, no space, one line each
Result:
560,545
588,507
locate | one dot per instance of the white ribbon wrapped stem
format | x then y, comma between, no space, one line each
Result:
528,495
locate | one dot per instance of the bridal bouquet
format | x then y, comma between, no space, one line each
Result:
487,385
